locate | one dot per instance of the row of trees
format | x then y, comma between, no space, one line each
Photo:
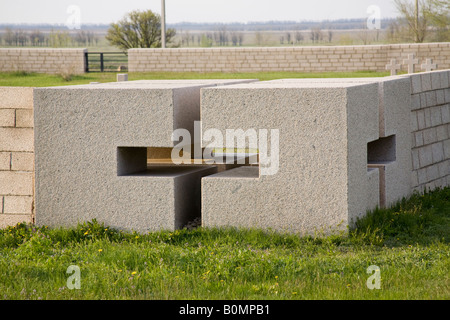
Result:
421,20
56,39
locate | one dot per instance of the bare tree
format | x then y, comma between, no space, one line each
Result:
288,37
316,34
9,37
37,38
330,35
415,16
236,38
185,37
298,36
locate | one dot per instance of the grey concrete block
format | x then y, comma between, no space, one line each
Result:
94,179
415,159
426,81
422,176
425,156
442,133
445,76
444,168
317,187
431,98
414,179
447,95
416,83
445,114
435,80
414,123
415,102
440,97
421,119
429,136
432,173
447,149
427,115
418,138
438,152
436,118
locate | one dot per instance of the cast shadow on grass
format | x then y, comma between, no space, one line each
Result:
421,219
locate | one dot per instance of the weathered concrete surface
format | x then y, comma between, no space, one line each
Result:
78,132
323,182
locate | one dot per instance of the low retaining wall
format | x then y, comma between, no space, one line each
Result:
298,59
53,61
16,155
430,130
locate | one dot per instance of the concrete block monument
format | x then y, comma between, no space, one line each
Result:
91,154
295,155
323,181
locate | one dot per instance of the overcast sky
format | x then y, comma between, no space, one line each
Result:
107,11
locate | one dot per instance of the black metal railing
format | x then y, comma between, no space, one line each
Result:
106,61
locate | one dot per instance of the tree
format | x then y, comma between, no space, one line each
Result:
414,16
37,38
298,36
288,37
330,35
316,34
418,17
138,29
9,37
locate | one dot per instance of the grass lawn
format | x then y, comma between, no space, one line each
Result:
24,79
409,243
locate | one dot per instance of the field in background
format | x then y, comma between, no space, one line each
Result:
409,243
271,33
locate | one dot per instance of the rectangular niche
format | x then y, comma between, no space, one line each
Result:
381,151
131,160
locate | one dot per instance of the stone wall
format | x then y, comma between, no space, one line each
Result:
298,59
16,155
430,129
53,61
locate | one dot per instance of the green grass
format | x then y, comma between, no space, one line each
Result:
25,79
409,243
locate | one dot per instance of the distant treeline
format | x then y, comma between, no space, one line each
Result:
53,38
341,24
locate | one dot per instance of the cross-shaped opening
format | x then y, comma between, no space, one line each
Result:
157,163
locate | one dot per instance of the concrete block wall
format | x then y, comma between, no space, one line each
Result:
430,130
40,60
299,59
16,155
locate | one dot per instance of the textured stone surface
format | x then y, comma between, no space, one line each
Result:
43,60
16,98
18,205
393,103
79,131
323,182
297,58
13,219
